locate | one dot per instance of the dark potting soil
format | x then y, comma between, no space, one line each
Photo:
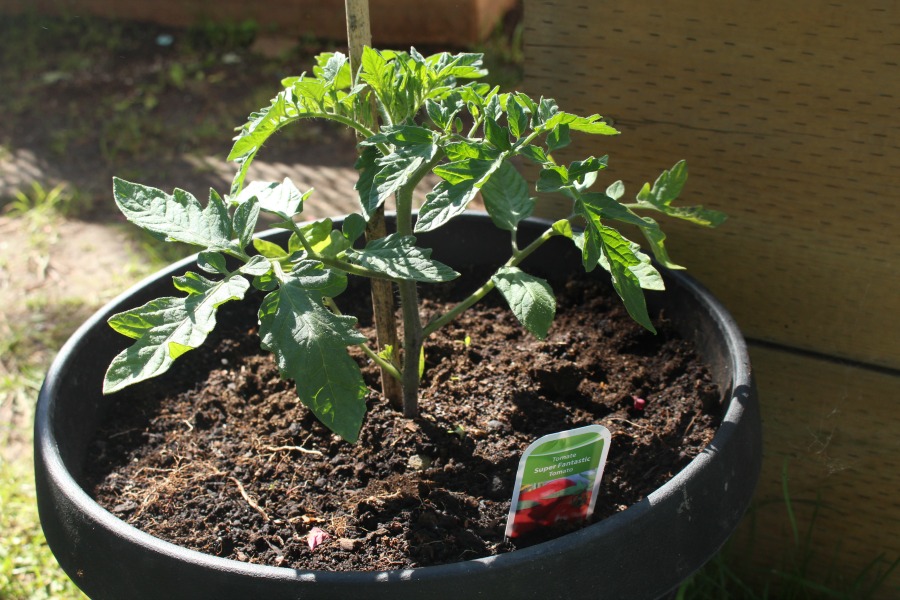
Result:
220,456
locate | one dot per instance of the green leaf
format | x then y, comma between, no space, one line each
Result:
260,126
257,266
462,181
443,203
655,236
398,257
309,343
530,298
168,327
534,154
506,197
212,262
314,276
580,168
178,217
281,199
442,112
401,135
321,237
496,135
564,228
619,255
557,138
269,250
667,188
516,118
395,171
243,223
354,226
336,72
367,166
552,178
592,124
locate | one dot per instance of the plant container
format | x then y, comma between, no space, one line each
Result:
643,552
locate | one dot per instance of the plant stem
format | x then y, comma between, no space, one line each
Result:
409,297
485,289
409,306
336,262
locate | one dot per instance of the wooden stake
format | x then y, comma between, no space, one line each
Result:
359,34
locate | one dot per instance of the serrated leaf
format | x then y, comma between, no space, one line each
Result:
552,178
395,171
535,154
168,327
243,223
496,135
530,298
212,262
443,203
368,168
257,266
401,135
580,168
177,217
564,228
269,249
321,237
593,124
467,169
314,276
516,118
398,257
667,188
309,343
647,275
506,197
259,127
336,72
281,199
606,243
655,236
558,137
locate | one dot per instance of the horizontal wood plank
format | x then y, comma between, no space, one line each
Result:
787,117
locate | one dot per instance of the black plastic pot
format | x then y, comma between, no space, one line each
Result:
642,552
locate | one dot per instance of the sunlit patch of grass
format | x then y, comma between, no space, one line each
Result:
28,570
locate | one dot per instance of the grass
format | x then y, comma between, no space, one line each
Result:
727,575
28,570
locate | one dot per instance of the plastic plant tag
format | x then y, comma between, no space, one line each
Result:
558,478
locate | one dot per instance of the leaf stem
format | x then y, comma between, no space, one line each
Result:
485,289
381,362
336,262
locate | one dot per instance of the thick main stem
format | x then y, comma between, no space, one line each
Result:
409,305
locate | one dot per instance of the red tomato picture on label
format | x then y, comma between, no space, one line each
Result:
564,499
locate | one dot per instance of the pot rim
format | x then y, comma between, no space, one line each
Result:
740,375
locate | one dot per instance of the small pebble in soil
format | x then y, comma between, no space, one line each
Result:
419,462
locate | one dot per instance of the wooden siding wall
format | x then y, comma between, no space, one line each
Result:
788,114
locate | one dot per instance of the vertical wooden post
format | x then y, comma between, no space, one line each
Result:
359,35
